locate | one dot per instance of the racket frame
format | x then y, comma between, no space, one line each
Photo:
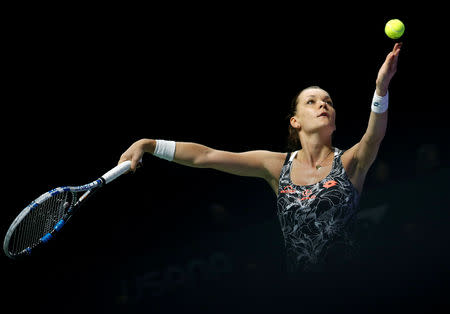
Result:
87,188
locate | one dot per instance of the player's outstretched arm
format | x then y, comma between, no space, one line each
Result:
257,163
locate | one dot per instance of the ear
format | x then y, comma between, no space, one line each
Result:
294,123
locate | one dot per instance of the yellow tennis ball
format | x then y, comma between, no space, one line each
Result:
394,29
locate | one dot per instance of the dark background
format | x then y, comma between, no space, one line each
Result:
82,83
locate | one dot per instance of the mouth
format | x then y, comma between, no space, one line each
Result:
323,115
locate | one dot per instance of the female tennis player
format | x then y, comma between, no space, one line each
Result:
318,186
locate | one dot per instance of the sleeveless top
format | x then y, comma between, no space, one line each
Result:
318,220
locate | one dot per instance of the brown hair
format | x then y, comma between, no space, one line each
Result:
293,140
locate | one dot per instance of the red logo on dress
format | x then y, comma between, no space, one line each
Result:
287,189
307,195
329,184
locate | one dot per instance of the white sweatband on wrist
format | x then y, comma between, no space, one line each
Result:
380,103
165,149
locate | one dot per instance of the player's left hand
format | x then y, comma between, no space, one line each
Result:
387,70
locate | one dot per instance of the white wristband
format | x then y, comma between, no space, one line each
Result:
165,149
380,103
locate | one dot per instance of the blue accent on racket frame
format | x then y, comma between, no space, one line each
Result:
33,205
47,237
59,225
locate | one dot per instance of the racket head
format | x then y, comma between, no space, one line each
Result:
38,223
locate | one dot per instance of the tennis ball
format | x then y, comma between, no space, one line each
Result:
394,29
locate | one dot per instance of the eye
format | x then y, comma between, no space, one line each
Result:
311,101
330,102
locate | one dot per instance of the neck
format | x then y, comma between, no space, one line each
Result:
313,154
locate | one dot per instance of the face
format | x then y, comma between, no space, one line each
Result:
311,103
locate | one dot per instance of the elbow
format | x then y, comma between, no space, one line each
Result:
202,159
375,139
378,138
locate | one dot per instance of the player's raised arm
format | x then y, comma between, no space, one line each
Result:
368,146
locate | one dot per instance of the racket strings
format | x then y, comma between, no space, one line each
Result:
40,221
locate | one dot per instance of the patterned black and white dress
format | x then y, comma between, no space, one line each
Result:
318,220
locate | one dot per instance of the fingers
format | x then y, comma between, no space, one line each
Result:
122,159
395,54
389,56
389,67
392,57
135,163
396,50
134,154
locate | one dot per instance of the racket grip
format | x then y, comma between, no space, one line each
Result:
117,171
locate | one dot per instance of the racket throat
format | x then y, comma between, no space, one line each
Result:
84,196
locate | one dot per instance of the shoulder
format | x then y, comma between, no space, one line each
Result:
273,163
275,156
265,156
270,158
349,160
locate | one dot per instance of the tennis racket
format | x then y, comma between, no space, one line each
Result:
39,222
